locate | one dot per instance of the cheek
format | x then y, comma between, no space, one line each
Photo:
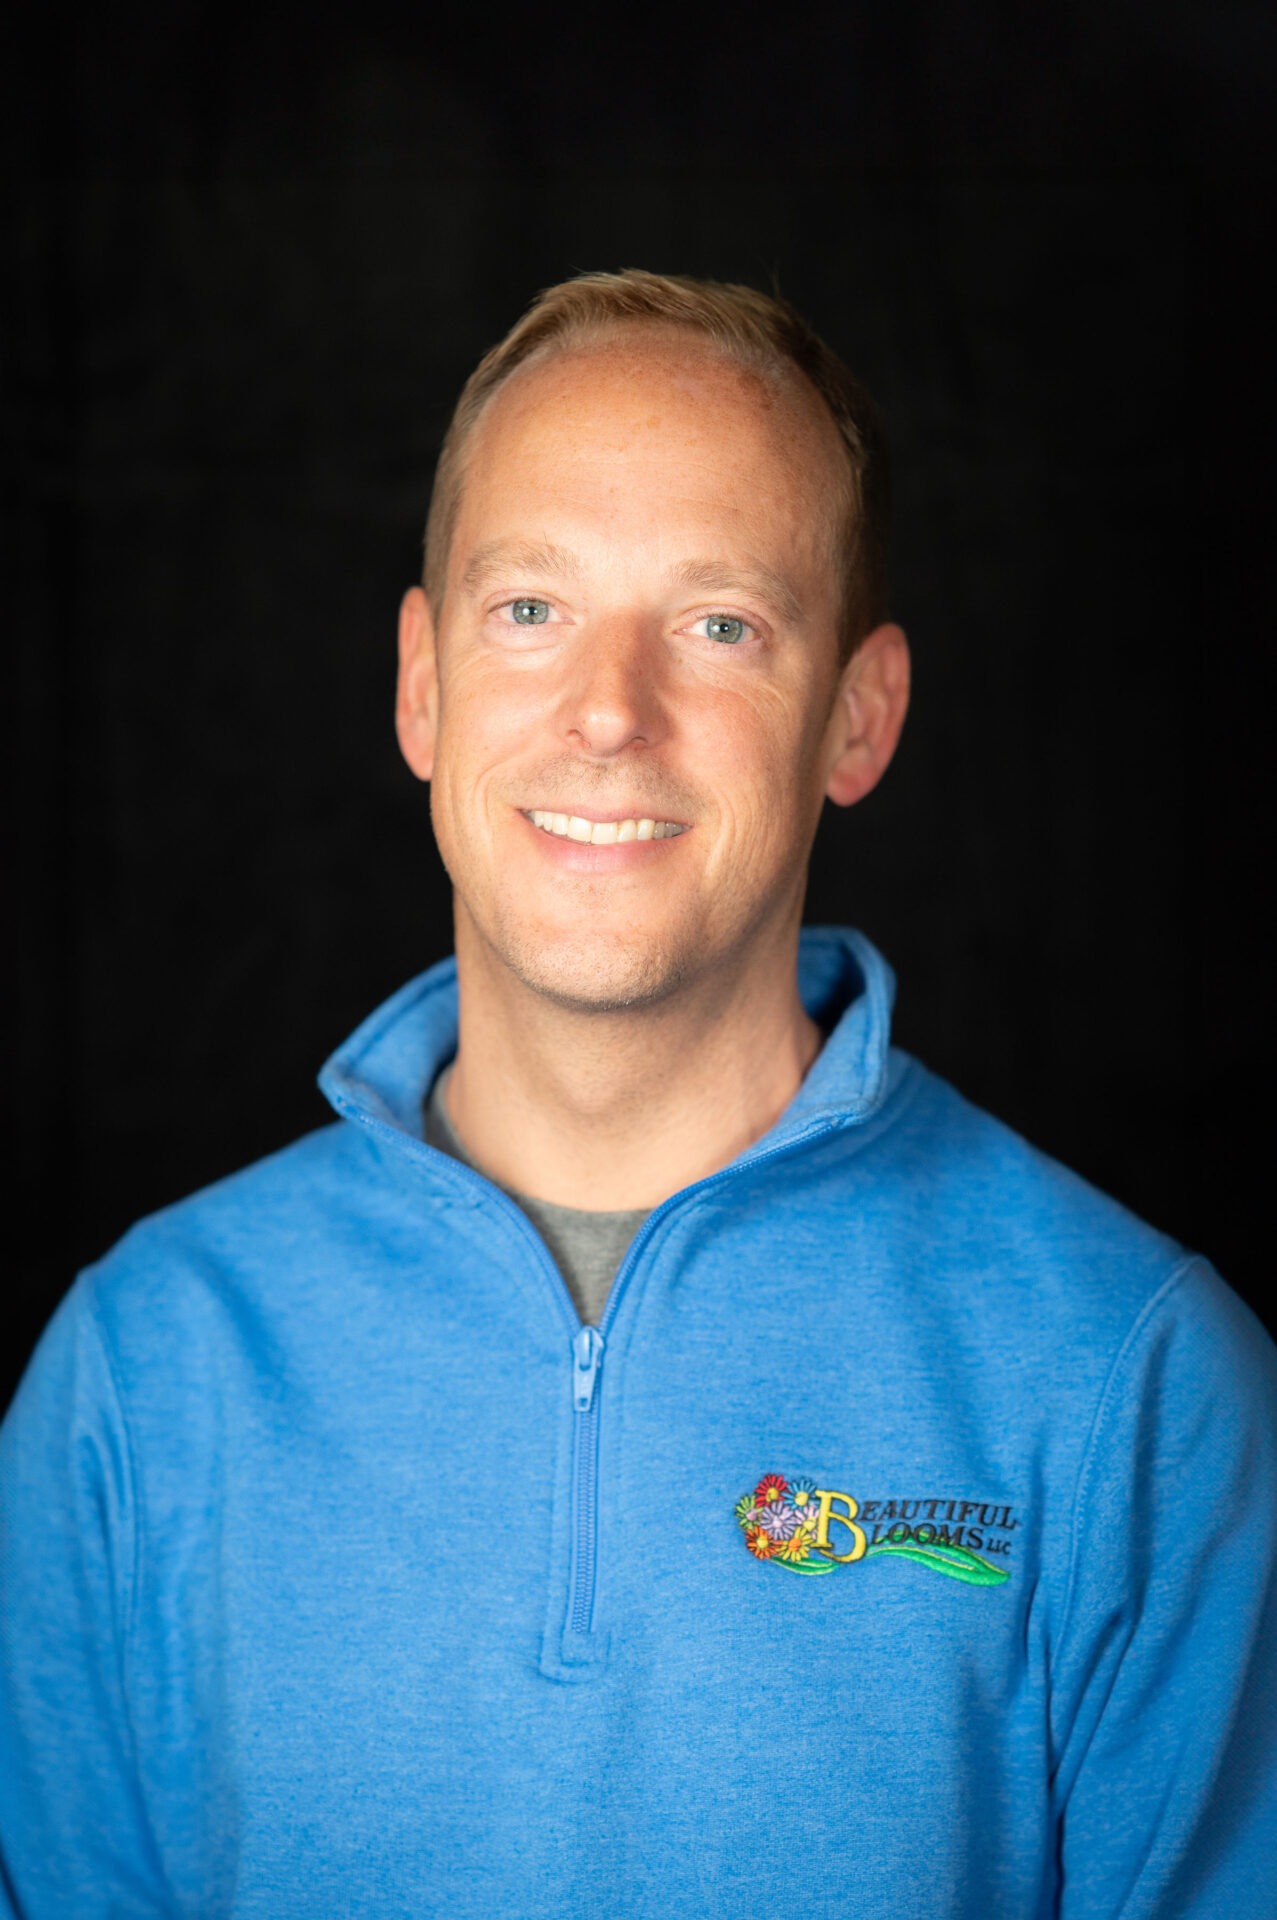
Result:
762,754
484,720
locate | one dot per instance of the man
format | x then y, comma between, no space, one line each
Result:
662,1452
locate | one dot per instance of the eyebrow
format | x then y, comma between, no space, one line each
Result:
714,576
500,558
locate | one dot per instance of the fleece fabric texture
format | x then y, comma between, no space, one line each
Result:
344,1573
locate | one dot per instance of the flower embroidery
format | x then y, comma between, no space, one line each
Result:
780,1525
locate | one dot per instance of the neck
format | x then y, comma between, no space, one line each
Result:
621,1109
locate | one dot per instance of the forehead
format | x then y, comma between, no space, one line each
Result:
657,423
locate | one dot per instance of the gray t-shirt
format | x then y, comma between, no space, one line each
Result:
588,1246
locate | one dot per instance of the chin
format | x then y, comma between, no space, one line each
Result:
594,972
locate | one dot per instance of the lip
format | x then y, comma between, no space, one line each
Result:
581,856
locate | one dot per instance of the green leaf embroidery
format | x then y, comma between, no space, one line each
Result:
960,1563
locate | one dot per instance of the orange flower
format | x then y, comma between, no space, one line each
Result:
760,1544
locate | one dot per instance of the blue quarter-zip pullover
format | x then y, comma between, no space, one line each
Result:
901,1544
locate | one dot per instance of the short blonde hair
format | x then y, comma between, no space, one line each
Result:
757,330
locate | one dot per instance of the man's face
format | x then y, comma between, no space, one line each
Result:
637,643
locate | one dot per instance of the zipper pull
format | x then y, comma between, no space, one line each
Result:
587,1358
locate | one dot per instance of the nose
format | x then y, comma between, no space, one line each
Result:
612,699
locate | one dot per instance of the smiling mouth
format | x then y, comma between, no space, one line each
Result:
602,833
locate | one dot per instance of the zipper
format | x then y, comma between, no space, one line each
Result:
588,1347
587,1359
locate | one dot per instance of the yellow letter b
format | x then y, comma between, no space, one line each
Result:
847,1519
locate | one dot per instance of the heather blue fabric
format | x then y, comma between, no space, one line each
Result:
321,1597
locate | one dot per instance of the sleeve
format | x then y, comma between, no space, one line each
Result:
1164,1676
74,1838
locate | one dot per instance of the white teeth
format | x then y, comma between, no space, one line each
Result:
602,833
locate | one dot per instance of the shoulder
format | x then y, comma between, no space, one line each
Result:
988,1181
274,1196
945,1137
215,1271
1039,1254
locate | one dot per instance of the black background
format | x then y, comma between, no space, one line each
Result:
251,256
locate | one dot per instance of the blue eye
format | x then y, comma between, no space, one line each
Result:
530,613
725,627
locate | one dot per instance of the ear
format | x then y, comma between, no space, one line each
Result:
869,711
417,700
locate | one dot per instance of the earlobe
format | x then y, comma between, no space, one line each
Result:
417,699
869,712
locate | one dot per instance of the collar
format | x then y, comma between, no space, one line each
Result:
381,1076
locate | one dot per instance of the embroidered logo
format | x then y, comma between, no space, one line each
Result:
789,1525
